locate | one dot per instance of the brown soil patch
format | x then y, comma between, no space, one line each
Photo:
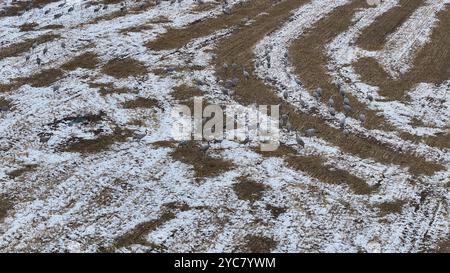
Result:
5,104
138,233
15,50
184,93
109,88
258,244
88,60
141,103
21,171
202,7
391,207
238,48
249,190
276,211
374,37
123,68
444,246
28,27
315,167
5,205
102,143
52,26
43,78
139,28
203,164
21,6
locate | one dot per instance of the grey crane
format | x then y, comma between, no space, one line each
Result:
310,132
362,118
332,111
299,140
342,123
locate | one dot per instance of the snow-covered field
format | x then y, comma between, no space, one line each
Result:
88,159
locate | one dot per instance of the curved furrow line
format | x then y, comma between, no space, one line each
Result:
402,46
375,36
402,115
280,75
251,91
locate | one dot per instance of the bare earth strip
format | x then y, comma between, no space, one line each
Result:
238,49
431,65
374,37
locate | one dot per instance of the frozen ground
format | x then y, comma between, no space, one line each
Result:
88,162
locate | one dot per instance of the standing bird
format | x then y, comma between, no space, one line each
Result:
289,126
183,143
246,75
342,123
38,61
362,118
45,51
299,141
310,132
332,111
346,101
225,68
347,108
205,148
331,102
370,97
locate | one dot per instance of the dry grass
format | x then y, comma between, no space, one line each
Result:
21,171
15,50
5,205
124,68
176,38
137,234
141,103
136,9
276,211
43,78
204,7
5,104
102,143
444,246
88,60
391,207
258,244
203,164
374,37
28,27
248,190
21,6
139,28
52,26
160,20
238,48
314,166
109,88
185,93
